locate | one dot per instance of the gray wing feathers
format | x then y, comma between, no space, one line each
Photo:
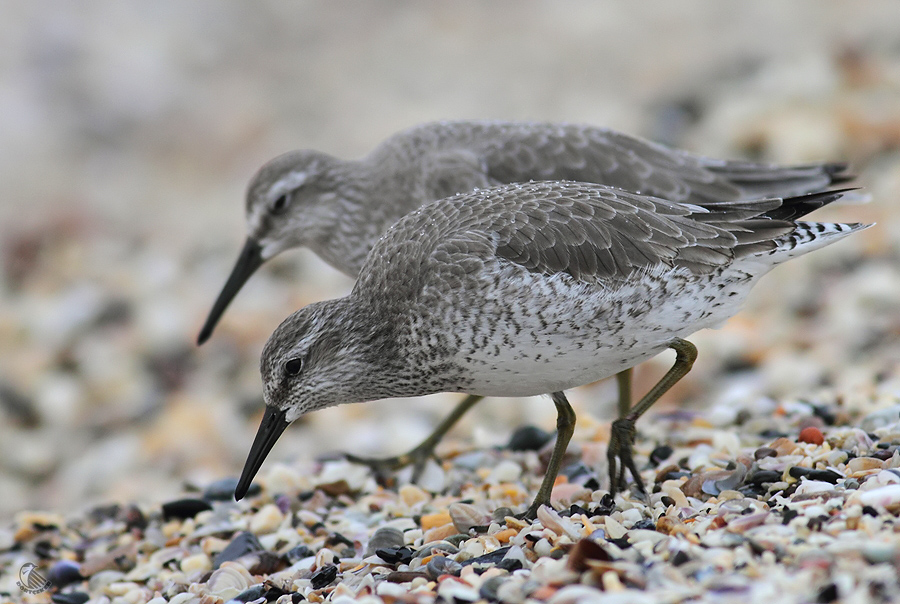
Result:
592,232
510,152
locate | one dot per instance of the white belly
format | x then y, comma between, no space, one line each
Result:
513,346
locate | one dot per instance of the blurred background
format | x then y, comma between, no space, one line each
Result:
130,130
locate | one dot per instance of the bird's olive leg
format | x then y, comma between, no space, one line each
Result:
565,427
420,455
621,438
623,379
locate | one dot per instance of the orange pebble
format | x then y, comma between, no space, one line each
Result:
505,535
439,533
812,435
429,521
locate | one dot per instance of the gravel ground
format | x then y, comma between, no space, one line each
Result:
129,133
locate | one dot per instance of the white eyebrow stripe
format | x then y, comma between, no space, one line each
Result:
291,181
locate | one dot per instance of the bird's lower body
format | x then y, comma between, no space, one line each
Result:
619,452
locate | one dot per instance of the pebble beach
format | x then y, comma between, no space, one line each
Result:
130,135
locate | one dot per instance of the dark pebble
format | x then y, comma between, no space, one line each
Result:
660,454
404,576
557,553
622,542
772,434
645,523
439,565
673,475
44,549
64,572
323,576
764,452
491,558
667,501
822,475
253,592
584,550
868,510
489,589
764,476
605,506
184,508
825,414
679,558
528,438
337,538
267,564
223,490
575,509
267,590
510,564
299,552
883,454
592,484
753,490
828,594
396,555
789,515
457,539
244,543
73,597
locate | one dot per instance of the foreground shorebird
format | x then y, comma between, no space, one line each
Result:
340,208
530,289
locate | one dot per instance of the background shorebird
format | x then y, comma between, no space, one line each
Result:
340,208
531,289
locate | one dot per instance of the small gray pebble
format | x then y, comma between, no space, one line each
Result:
500,514
384,538
489,588
243,544
439,565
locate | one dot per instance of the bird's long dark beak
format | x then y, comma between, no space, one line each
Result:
247,263
270,428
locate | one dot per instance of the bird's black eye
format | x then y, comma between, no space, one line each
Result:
293,366
280,204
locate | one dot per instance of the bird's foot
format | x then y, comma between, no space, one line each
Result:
417,458
620,457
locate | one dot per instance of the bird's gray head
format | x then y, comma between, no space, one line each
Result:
289,198
289,204
322,355
313,360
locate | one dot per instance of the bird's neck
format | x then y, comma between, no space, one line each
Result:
351,222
